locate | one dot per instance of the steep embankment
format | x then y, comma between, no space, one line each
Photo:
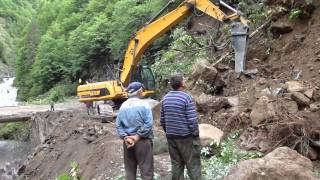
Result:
75,137
277,99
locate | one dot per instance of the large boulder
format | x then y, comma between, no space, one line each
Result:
156,107
262,110
207,103
160,143
209,133
281,164
206,74
205,71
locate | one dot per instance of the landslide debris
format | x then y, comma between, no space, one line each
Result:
281,164
276,101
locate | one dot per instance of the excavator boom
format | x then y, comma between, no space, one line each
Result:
151,31
147,34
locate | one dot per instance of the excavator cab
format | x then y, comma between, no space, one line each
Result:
147,78
143,74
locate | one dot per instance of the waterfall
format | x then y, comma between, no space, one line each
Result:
8,93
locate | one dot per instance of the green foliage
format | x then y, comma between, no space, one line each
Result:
64,39
257,13
73,174
14,15
125,21
55,96
225,156
316,173
14,131
176,59
294,14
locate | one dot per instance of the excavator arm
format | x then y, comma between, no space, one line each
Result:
114,89
150,32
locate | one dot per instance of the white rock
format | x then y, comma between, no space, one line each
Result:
209,133
294,86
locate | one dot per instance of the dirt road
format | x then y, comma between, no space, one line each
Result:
29,109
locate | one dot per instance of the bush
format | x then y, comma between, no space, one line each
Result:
14,131
225,156
177,59
73,174
294,14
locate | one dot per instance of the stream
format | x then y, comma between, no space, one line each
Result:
12,153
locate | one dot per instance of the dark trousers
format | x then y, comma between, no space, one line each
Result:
185,152
140,155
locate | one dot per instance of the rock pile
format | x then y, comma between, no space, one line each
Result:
281,164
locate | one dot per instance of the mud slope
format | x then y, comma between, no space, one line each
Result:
93,145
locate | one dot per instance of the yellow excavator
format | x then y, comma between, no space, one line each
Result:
115,90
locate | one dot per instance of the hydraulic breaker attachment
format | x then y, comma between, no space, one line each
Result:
240,37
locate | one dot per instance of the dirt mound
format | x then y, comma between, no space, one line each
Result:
92,144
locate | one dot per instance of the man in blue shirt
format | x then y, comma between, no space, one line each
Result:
179,121
134,125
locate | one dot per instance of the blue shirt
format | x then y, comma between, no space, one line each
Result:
178,115
134,117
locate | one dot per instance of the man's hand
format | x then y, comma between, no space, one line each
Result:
131,140
135,138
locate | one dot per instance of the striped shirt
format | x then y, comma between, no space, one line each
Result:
178,115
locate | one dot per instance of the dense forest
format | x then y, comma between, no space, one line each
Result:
63,38
14,16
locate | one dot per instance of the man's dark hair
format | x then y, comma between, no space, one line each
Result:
176,81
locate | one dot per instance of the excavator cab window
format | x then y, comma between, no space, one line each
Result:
147,78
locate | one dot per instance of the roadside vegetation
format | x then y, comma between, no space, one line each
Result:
219,158
14,131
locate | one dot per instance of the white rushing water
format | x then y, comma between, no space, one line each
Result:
8,93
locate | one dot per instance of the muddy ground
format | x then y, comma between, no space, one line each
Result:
85,140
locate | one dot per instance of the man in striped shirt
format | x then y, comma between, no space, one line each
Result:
179,121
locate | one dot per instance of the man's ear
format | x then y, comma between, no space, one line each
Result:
182,84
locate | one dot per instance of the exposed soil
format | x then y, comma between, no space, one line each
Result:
291,56
92,144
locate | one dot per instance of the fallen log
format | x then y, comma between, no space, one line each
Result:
14,118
